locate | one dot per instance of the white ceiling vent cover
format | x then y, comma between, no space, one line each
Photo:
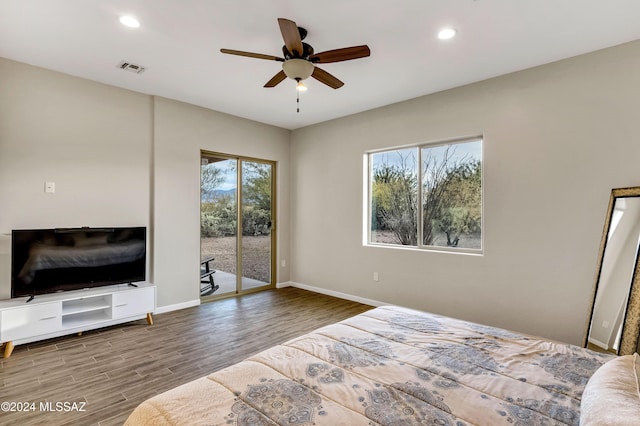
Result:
128,66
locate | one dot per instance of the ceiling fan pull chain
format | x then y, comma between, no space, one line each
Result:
297,101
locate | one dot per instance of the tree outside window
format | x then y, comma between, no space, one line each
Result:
444,180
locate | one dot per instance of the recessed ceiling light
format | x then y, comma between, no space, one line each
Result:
129,21
446,33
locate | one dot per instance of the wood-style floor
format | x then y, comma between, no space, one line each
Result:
114,369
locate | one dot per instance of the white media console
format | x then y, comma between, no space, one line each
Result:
59,314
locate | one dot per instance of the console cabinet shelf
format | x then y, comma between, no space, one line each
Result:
59,314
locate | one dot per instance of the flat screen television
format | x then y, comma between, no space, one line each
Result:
53,260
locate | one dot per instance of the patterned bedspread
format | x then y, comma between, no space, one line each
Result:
389,366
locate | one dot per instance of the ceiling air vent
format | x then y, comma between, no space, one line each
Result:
128,66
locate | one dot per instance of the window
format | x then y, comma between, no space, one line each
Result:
427,196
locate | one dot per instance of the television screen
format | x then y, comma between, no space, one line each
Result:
52,260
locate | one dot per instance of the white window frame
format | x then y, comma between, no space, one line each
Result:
368,198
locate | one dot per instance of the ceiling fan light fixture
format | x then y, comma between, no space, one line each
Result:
297,68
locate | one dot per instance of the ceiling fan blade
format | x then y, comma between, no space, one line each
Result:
252,55
291,36
324,77
276,79
338,55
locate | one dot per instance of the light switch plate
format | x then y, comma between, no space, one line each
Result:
50,187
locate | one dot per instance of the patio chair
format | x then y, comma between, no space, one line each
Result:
207,286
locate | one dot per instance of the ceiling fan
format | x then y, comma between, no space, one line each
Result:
299,58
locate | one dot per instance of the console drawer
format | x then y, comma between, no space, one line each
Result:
30,321
133,302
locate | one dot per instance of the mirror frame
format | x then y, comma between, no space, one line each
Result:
631,322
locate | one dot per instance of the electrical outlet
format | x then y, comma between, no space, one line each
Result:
284,263
605,324
375,276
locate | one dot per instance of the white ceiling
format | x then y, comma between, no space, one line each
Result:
179,43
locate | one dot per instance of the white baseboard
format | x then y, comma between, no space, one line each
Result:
177,306
332,293
191,303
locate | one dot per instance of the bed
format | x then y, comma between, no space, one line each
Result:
395,366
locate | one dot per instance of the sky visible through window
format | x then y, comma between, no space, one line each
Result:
407,157
228,172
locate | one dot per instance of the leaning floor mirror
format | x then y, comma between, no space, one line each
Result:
614,325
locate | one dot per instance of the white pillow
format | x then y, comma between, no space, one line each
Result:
612,395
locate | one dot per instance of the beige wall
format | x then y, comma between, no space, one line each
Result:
92,140
557,138
119,158
181,131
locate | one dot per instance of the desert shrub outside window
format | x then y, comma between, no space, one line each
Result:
427,196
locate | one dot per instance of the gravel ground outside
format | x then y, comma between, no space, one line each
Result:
466,241
256,255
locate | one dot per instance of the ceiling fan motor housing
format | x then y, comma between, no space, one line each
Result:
307,51
297,69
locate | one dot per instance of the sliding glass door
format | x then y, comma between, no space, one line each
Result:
218,230
236,218
256,220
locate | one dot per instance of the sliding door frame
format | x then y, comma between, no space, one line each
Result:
239,204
